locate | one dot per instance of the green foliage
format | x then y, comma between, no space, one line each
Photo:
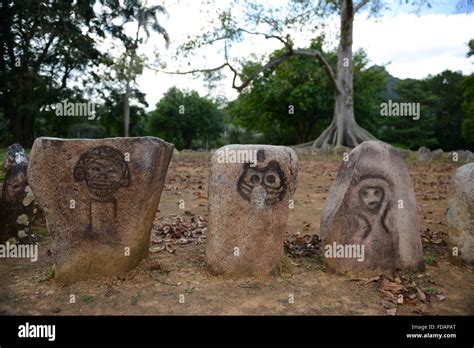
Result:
405,130
448,98
130,65
370,84
471,48
239,135
5,135
291,103
288,104
441,112
467,86
42,57
302,85
110,113
86,130
446,104
59,46
187,120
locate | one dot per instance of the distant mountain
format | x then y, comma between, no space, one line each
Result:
392,82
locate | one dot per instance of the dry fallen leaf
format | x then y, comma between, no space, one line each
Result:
409,302
390,286
365,280
421,294
388,295
156,249
387,304
391,311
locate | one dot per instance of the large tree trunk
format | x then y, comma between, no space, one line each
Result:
344,130
21,118
187,141
17,91
126,98
126,111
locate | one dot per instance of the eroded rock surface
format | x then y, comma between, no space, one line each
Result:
460,214
370,219
249,200
99,198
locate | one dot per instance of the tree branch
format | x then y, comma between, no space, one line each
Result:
45,52
267,36
190,72
273,62
316,54
360,5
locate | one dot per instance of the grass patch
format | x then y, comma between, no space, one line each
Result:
430,260
88,299
430,290
48,276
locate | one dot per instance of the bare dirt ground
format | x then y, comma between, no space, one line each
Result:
173,279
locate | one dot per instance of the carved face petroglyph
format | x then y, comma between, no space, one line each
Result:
371,198
370,202
104,170
262,185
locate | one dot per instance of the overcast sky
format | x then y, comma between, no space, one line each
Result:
408,44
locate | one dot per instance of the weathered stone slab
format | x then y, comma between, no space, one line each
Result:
15,155
436,155
248,208
99,198
460,214
423,154
17,200
370,219
461,156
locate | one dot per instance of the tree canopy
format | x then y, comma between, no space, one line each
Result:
187,119
81,52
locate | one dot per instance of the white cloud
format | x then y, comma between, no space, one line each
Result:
417,46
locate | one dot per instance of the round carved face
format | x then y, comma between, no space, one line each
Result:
270,179
103,177
371,198
262,186
104,171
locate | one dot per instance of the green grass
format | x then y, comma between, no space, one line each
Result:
87,299
3,151
430,260
48,276
430,290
